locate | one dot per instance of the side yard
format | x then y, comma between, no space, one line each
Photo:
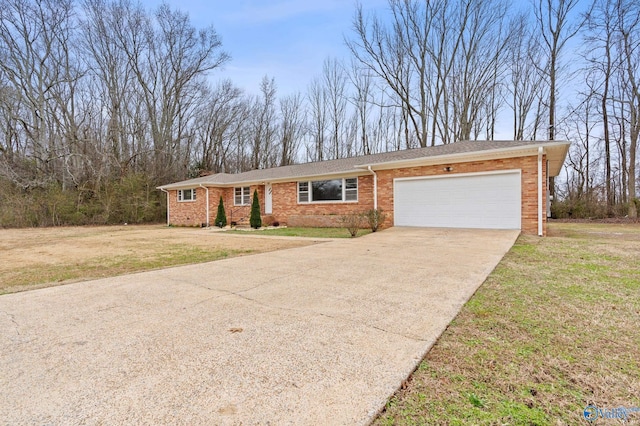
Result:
553,329
41,257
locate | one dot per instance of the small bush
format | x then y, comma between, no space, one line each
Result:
375,217
275,224
221,217
578,209
255,220
352,222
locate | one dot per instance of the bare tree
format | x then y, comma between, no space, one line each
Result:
113,79
317,98
600,27
334,80
556,27
525,82
400,54
225,108
292,127
613,40
479,61
40,71
442,61
628,14
264,125
583,159
169,59
362,100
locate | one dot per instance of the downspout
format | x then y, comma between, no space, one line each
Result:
375,187
206,191
540,229
167,192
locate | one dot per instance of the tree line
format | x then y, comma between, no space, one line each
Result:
103,100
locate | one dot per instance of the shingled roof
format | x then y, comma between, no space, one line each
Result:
357,164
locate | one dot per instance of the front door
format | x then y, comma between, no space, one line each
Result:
268,200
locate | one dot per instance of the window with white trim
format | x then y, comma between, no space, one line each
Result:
303,192
331,190
187,194
242,196
351,189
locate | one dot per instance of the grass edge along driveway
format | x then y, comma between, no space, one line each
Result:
43,257
553,329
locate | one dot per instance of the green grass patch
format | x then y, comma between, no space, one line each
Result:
303,232
169,255
553,329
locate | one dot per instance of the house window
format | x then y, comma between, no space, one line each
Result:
333,190
303,192
351,189
241,196
326,190
187,194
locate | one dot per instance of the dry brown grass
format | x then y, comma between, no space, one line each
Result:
39,257
554,328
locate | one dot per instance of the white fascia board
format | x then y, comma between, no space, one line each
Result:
492,154
323,176
185,185
556,155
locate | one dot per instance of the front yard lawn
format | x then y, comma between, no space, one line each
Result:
555,327
41,257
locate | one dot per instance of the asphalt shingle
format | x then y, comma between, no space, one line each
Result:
351,164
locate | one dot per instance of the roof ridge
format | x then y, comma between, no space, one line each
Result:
347,165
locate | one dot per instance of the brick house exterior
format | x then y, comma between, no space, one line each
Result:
376,176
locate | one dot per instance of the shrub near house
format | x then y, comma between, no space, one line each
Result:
221,217
255,220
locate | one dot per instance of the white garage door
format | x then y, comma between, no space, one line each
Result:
483,200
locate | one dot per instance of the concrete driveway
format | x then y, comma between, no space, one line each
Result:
322,334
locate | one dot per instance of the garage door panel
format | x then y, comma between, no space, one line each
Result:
466,201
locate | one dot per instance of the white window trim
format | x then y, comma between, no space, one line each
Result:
344,189
180,195
308,192
244,202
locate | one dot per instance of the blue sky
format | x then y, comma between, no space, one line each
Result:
290,39
284,39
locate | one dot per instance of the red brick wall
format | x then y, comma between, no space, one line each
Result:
187,213
214,200
529,173
194,213
287,210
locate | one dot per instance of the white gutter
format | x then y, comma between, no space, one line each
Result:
509,152
375,187
166,192
206,191
540,229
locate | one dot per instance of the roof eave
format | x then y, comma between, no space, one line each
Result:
556,153
187,185
345,173
175,186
